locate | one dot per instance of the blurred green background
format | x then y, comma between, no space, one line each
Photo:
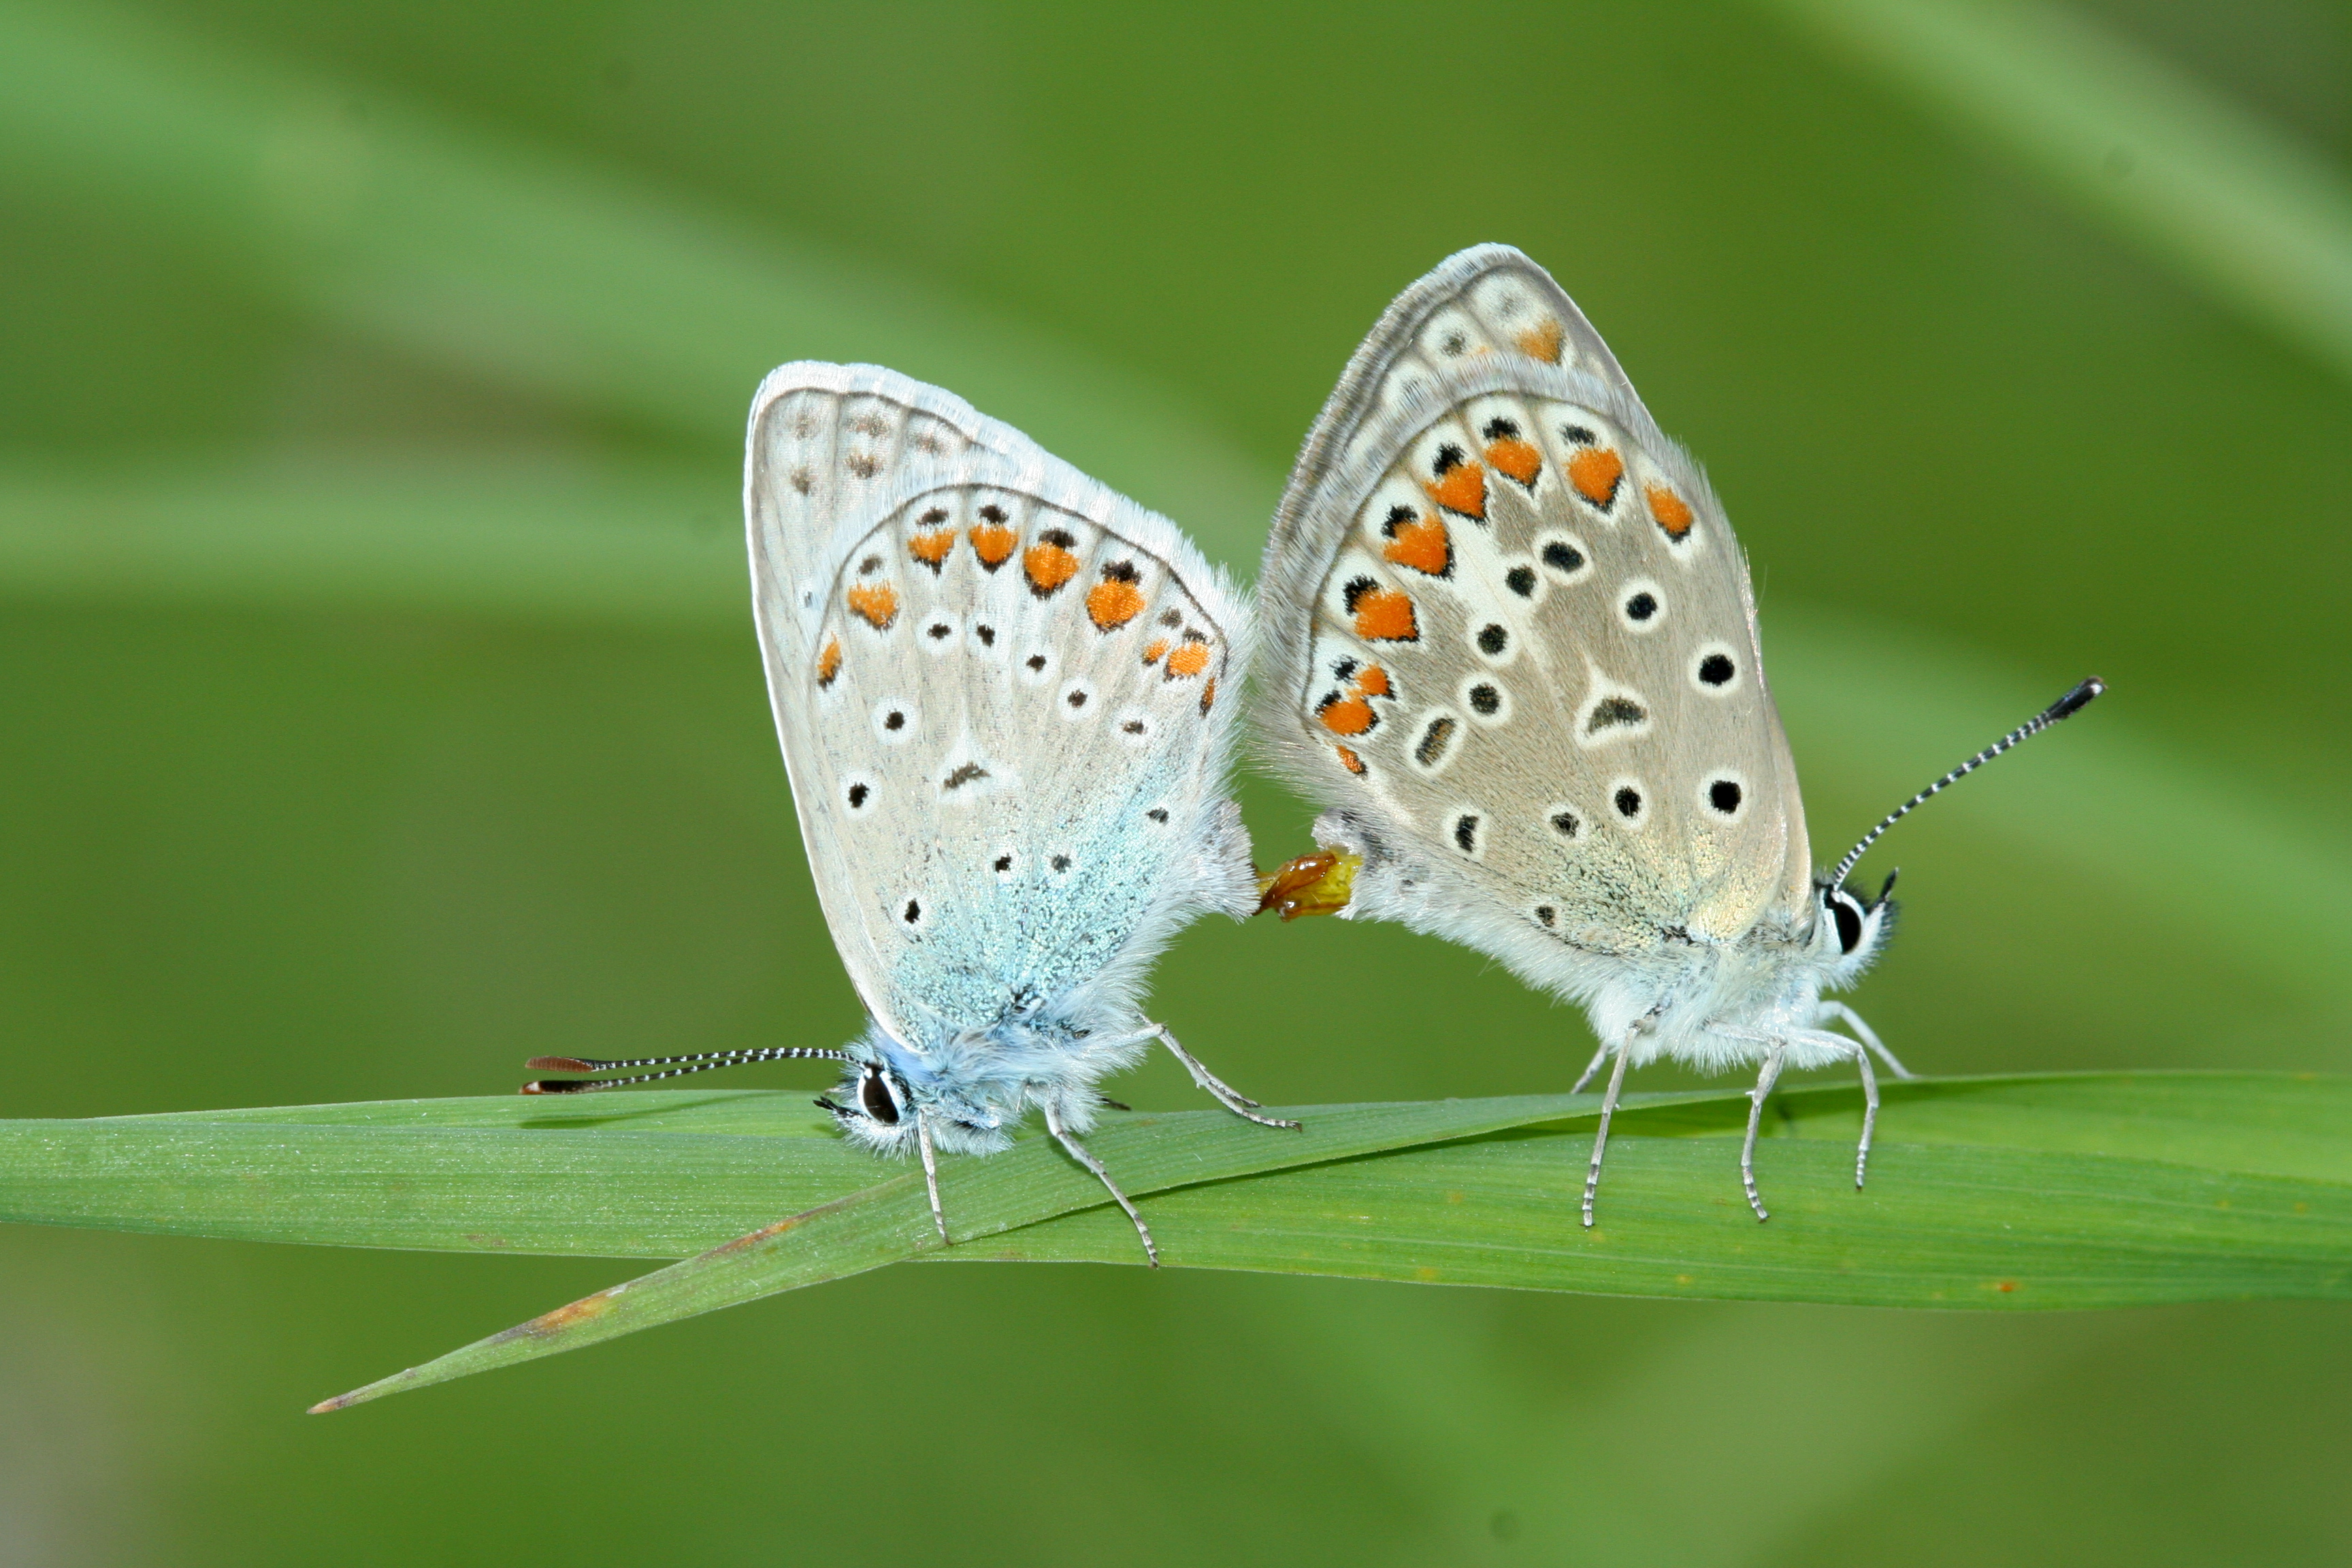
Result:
380,707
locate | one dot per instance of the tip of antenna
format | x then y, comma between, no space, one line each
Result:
557,1064
556,1086
2075,701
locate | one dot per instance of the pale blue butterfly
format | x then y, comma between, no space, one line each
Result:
1006,696
1515,652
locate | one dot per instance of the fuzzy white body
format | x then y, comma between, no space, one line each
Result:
1675,999
979,1087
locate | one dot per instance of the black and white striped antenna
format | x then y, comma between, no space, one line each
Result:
679,1066
2073,702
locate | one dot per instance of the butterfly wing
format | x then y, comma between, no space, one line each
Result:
1517,650
1005,697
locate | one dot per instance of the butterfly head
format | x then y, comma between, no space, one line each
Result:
889,1100
1849,933
876,1107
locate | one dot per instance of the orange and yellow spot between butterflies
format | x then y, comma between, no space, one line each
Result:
1190,658
1673,514
1595,472
1049,566
1542,342
1383,615
1462,489
1317,884
1421,545
877,602
828,663
1114,602
1518,458
993,543
930,546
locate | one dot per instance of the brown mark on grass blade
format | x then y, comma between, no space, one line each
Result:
548,1324
765,1233
592,1318
890,1222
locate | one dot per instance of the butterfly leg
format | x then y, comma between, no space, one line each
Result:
1608,1108
1591,1068
1869,1115
1241,1105
1084,1156
1764,1081
1861,1054
1839,1012
932,1176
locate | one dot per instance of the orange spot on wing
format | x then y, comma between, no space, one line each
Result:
1153,649
1518,458
1542,342
1189,659
828,663
877,602
1421,545
1463,489
1049,566
1352,713
1383,615
1673,514
1112,602
993,543
931,548
1349,715
1207,694
1349,760
1595,472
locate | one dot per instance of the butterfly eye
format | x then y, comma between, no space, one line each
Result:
1848,915
875,1099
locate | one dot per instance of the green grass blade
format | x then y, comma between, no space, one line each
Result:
450,1176
891,1220
2047,1191
2096,1191
641,1174
2260,222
